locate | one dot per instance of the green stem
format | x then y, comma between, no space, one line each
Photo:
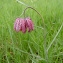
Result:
36,11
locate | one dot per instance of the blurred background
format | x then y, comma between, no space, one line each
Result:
43,44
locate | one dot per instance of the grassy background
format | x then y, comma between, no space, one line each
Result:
32,47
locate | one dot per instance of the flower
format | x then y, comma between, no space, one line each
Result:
20,25
29,24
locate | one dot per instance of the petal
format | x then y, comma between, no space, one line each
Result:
23,26
16,25
29,24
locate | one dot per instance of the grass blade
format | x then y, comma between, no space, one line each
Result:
55,37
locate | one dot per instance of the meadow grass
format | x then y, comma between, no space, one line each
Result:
44,44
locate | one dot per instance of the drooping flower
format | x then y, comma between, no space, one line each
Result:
20,25
29,24
23,25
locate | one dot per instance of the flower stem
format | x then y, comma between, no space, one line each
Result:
36,11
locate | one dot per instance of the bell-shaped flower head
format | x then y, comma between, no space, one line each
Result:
29,24
20,25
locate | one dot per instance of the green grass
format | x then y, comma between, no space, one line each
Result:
43,45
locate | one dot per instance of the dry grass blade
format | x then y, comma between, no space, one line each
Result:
22,3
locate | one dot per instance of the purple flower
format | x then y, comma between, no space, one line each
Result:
23,24
20,25
29,24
